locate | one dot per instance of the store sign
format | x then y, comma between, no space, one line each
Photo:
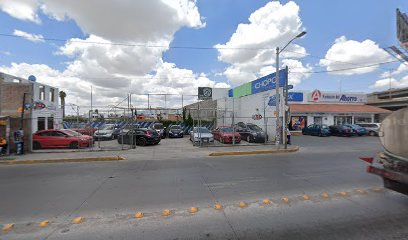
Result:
268,82
204,93
295,96
318,96
257,116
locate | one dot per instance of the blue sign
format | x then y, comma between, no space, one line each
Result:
295,97
268,82
272,101
230,93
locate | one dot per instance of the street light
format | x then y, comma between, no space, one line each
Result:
278,127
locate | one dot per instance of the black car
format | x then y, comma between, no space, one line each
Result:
341,130
251,132
140,136
175,131
119,130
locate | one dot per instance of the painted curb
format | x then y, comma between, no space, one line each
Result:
64,160
279,150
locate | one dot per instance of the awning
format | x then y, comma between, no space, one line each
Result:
335,108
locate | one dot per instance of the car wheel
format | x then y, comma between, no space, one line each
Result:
371,133
248,139
141,142
36,145
73,145
221,140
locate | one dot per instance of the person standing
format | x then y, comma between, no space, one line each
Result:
3,145
288,136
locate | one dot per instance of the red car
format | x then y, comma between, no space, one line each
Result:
225,135
85,131
64,138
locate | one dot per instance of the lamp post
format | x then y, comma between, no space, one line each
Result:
278,51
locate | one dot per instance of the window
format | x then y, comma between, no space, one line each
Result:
297,123
50,123
42,92
51,95
57,134
40,123
340,120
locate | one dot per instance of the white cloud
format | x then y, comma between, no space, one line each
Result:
29,36
21,9
252,46
353,54
391,82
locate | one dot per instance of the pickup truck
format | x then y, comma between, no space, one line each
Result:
392,163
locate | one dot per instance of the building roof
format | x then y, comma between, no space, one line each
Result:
335,108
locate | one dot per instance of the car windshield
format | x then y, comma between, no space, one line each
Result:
254,127
158,126
201,130
325,126
226,130
107,127
175,127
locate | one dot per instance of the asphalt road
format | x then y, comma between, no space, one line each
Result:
108,194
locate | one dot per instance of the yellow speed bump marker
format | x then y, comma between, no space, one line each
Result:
8,226
217,206
193,210
266,201
166,212
285,200
343,194
78,220
306,197
377,189
325,195
44,223
243,204
361,191
139,214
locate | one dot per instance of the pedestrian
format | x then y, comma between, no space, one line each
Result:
288,136
3,145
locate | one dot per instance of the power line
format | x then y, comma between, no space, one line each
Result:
347,69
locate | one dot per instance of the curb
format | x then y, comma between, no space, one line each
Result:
63,160
279,150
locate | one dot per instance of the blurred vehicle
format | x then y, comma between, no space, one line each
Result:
159,128
202,134
83,129
175,131
64,138
225,134
392,163
371,128
251,132
140,136
341,130
126,128
360,131
320,130
105,132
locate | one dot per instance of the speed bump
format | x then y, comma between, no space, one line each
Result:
8,226
193,210
78,220
243,204
166,212
285,200
217,206
139,215
44,223
266,201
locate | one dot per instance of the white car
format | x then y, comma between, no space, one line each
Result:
372,128
105,132
201,134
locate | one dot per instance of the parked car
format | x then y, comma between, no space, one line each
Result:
140,136
251,132
360,131
64,138
201,133
127,128
371,128
175,131
226,134
105,132
159,128
341,130
320,130
83,129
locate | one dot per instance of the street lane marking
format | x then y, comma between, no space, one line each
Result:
8,226
78,220
266,201
343,194
306,197
44,223
325,195
243,204
193,210
361,191
285,200
166,212
139,215
217,206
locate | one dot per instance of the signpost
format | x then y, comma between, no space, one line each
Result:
204,93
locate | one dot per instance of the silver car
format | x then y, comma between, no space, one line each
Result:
372,128
201,134
105,132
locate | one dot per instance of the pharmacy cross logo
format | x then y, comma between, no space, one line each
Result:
316,95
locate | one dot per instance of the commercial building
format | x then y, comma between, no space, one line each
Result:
392,99
41,109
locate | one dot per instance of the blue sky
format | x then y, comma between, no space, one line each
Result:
325,21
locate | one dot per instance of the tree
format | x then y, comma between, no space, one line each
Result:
62,95
189,121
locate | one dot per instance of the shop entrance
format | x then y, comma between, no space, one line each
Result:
339,120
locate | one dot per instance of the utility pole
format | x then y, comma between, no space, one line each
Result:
278,129
286,110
